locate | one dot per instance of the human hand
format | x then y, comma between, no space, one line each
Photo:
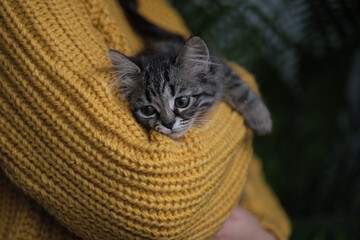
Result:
242,225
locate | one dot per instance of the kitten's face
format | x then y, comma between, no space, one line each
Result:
166,95
166,102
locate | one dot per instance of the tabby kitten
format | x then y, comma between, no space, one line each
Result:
174,83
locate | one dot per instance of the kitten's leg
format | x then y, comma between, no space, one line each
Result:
240,97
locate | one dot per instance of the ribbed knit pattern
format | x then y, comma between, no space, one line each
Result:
22,218
71,145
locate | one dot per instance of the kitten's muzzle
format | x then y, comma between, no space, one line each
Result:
169,125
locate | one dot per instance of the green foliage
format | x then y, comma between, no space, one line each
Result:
305,55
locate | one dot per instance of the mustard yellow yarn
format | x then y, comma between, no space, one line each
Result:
71,153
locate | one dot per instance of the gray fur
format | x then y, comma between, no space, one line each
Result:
170,70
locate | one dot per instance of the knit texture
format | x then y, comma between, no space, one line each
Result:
72,157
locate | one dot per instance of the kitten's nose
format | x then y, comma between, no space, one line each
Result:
169,125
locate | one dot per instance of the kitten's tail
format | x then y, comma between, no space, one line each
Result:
149,31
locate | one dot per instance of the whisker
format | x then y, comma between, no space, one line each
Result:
198,126
204,62
204,120
177,142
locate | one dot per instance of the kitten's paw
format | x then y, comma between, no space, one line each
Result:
259,119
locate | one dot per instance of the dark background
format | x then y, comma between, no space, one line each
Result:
305,55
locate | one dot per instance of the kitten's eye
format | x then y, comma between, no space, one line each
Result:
148,110
182,102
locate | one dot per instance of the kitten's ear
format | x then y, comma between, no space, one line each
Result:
126,72
122,64
194,57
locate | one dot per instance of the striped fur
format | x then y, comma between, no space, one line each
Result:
171,71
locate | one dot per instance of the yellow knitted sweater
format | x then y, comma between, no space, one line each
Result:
75,164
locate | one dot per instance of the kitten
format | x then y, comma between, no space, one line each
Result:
173,83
